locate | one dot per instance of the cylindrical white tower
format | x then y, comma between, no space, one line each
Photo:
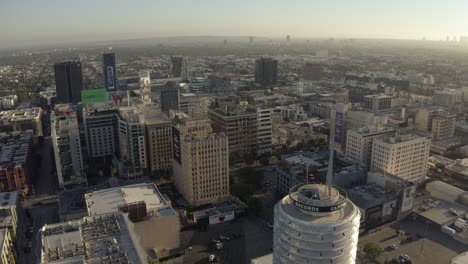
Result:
316,224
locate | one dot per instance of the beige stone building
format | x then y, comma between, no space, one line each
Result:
239,125
404,156
359,143
201,167
159,145
7,251
443,127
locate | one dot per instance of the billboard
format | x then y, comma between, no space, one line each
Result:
388,208
408,198
94,96
110,78
176,145
339,127
220,218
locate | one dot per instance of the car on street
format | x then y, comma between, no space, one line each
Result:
212,258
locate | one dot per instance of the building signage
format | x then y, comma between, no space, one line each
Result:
339,127
408,199
110,78
388,208
220,218
94,96
176,145
318,209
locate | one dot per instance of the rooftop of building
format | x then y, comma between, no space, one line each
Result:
460,166
113,199
267,259
73,201
370,195
92,240
234,112
378,96
8,199
318,204
20,114
401,138
372,130
460,259
15,152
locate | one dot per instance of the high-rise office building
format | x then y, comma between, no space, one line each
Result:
132,143
240,126
447,97
68,81
201,167
404,156
443,126
315,224
159,141
194,105
266,72
378,102
179,67
170,97
66,142
101,126
109,71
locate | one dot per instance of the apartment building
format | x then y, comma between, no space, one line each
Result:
359,143
404,156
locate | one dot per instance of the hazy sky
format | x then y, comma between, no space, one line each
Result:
39,21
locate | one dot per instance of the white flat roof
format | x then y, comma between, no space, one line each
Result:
109,200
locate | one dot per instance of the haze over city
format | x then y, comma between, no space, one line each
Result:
233,132
53,21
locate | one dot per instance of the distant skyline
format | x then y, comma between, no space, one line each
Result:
28,22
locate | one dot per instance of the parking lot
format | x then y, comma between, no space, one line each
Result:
423,243
249,238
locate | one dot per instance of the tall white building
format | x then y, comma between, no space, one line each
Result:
132,143
404,156
66,142
145,86
315,224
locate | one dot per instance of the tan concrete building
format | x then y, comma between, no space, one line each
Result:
359,143
404,156
7,250
201,167
21,120
159,141
240,127
443,127
154,220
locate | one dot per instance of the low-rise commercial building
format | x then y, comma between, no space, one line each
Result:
21,120
154,220
107,238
